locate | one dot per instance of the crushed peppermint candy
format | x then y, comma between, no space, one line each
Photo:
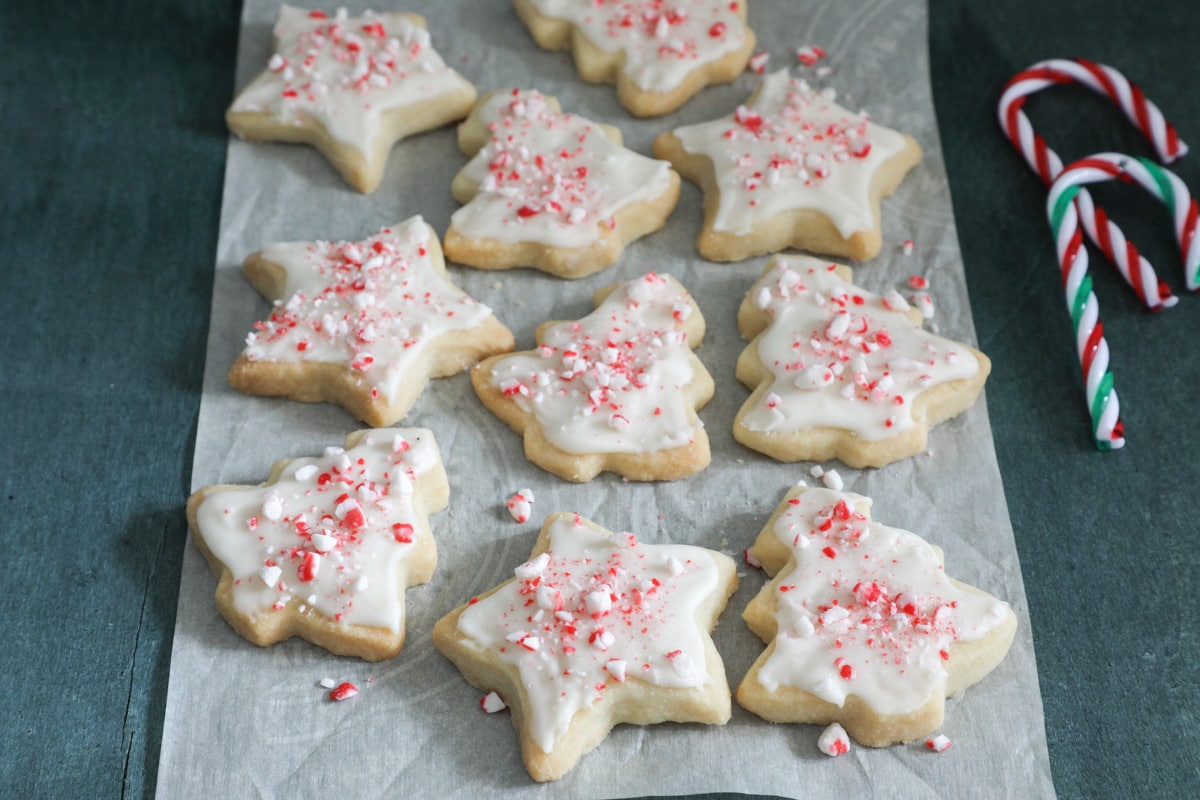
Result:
328,683
924,302
758,62
809,54
832,480
520,505
492,703
907,247
343,691
750,559
833,741
939,743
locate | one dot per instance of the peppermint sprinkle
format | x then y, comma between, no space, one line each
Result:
343,691
809,54
491,703
520,505
938,744
270,575
833,741
832,480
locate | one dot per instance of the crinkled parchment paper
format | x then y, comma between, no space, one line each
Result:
243,721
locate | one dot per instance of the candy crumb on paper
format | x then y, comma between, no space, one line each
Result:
833,741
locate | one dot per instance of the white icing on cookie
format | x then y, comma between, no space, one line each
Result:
611,382
868,609
841,357
550,177
374,305
332,533
346,72
597,606
789,148
662,41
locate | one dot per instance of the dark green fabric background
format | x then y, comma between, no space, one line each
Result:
112,151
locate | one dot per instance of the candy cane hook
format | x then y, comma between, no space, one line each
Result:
1137,272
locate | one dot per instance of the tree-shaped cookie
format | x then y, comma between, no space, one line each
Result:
351,87
863,626
790,168
326,547
362,324
617,390
658,53
596,629
551,190
839,372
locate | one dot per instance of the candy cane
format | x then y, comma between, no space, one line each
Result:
1104,80
1090,345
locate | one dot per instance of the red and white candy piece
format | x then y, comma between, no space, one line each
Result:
833,741
809,54
520,505
492,703
939,743
343,691
1104,80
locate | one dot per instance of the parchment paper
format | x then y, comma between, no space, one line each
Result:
243,721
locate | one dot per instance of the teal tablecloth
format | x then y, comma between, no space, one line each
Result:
112,148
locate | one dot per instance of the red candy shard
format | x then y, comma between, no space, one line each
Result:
343,691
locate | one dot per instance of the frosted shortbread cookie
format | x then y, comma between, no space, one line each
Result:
863,626
351,87
615,391
550,190
362,324
790,168
326,547
658,54
839,372
595,630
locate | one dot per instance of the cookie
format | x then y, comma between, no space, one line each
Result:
863,626
351,87
790,168
596,629
615,391
658,54
326,547
550,190
839,372
362,324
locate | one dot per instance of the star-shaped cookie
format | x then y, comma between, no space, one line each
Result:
863,626
551,190
351,87
658,53
839,372
362,324
596,629
617,390
326,547
790,168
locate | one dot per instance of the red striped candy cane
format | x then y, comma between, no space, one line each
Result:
1104,80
